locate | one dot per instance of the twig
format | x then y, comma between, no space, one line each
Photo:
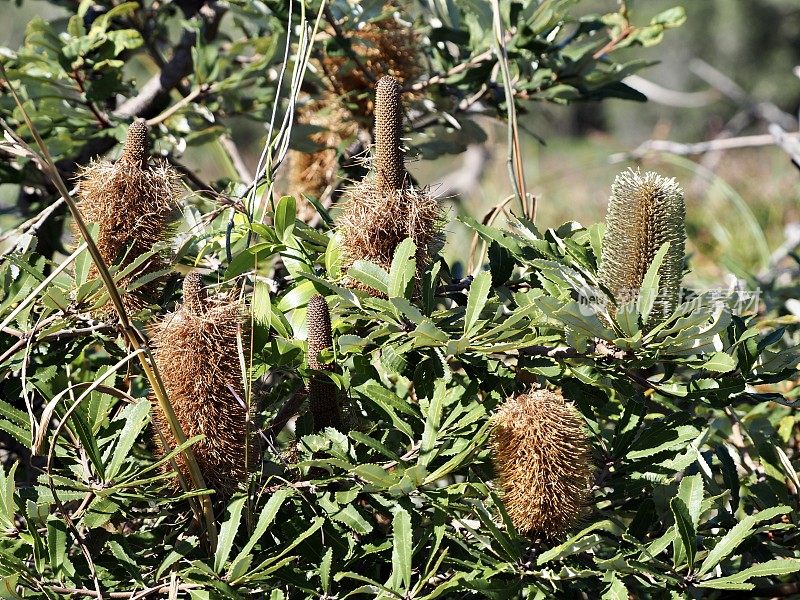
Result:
721,144
184,587
661,95
433,80
789,143
191,96
515,165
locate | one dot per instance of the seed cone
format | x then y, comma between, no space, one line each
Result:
196,351
644,211
389,169
131,201
543,460
322,391
384,209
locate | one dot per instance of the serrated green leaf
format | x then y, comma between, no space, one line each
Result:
227,532
401,550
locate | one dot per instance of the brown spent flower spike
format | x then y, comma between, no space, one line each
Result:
196,351
385,46
312,173
322,392
543,459
131,201
390,172
384,209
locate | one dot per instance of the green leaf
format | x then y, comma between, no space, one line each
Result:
649,290
56,543
227,532
736,535
778,566
325,571
686,533
136,417
285,215
401,550
432,422
720,362
691,492
403,269
261,309
616,591
265,519
478,295
370,275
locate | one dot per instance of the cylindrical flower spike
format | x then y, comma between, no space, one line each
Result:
197,353
322,392
389,170
543,461
384,209
644,211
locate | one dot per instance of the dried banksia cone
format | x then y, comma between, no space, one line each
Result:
131,201
385,46
644,211
384,209
322,392
389,169
543,460
313,173
196,351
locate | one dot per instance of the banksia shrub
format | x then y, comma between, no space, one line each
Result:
131,201
196,351
543,461
644,211
322,392
384,209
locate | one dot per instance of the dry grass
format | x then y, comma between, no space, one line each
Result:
196,351
543,460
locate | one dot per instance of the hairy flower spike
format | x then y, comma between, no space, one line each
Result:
322,393
384,209
543,461
389,170
644,211
131,201
196,351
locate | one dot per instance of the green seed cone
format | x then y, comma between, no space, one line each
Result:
322,393
644,211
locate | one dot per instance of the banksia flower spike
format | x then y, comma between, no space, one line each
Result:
322,392
384,209
543,461
644,211
385,46
131,201
196,351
